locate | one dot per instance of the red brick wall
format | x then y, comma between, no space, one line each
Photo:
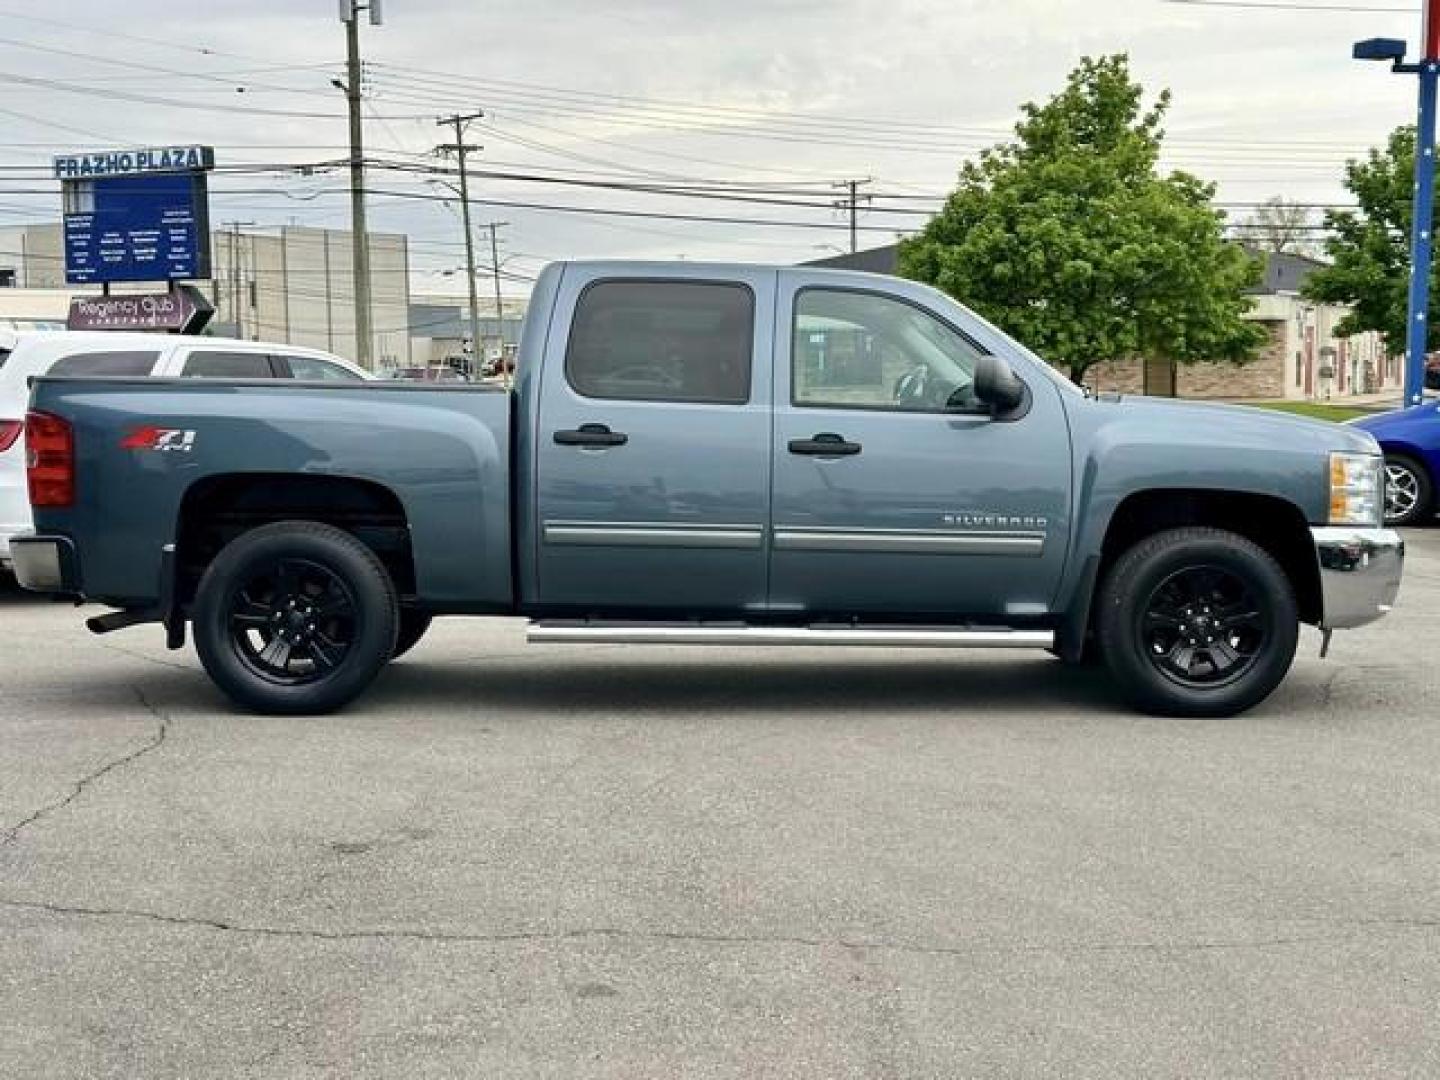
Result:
1263,377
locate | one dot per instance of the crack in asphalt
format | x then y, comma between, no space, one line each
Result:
156,740
134,654
859,946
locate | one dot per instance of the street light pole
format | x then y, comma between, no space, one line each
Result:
1427,73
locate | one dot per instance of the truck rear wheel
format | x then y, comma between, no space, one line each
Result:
295,618
1197,622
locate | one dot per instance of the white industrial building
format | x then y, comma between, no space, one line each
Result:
440,330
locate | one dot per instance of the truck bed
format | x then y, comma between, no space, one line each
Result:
145,446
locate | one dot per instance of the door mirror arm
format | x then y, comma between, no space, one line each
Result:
997,385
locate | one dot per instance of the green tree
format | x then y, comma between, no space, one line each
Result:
1369,246
1070,239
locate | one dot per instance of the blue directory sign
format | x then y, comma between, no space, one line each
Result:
141,225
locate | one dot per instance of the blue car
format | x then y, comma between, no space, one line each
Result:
1411,441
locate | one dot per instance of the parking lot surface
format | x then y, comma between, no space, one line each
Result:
511,861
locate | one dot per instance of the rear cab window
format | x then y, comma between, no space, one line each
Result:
663,341
119,362
227,364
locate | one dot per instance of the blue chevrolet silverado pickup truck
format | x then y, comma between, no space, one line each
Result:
705,454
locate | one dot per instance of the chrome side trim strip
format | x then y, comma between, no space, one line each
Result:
550,633
653,534
910,542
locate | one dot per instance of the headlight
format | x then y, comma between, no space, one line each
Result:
1357,494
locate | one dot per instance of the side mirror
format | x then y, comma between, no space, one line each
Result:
999,387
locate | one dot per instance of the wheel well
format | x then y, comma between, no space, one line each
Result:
1413,453
1274,524
219,508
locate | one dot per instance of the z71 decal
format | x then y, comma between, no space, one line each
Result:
177,440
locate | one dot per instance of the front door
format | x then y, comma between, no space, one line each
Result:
652,451
896,493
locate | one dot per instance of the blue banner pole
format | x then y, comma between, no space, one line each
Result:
1422,235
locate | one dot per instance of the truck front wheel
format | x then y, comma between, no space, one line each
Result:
1197,622
295,618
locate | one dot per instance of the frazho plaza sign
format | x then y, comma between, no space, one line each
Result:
136,215
159,159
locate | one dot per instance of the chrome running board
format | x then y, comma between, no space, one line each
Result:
557,632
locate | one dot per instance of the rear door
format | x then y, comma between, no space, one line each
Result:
652,478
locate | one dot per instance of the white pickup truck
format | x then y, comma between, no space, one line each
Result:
25,355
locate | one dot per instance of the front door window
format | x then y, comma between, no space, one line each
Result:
860,350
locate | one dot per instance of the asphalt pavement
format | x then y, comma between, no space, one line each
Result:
625,862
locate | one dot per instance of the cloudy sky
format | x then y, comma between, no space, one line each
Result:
744,105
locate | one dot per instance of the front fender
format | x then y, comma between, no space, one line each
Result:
1128,447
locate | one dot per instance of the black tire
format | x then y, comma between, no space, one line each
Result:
1409,491
413,625
295,618
1197,622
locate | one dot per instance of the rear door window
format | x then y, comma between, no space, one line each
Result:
227,364
119,362
663,341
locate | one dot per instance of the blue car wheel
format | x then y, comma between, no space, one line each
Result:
1408,491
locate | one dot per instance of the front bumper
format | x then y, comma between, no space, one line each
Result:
1359,573
45,564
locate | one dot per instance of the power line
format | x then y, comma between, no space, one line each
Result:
1279,5
565,102
136,66
175,103
658,215
109,32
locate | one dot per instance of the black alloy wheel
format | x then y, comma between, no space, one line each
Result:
295,618
292,622
1204,626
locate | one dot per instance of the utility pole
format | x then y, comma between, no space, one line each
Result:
1427,72
360,238
851,201
493,226
460,148
234,274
